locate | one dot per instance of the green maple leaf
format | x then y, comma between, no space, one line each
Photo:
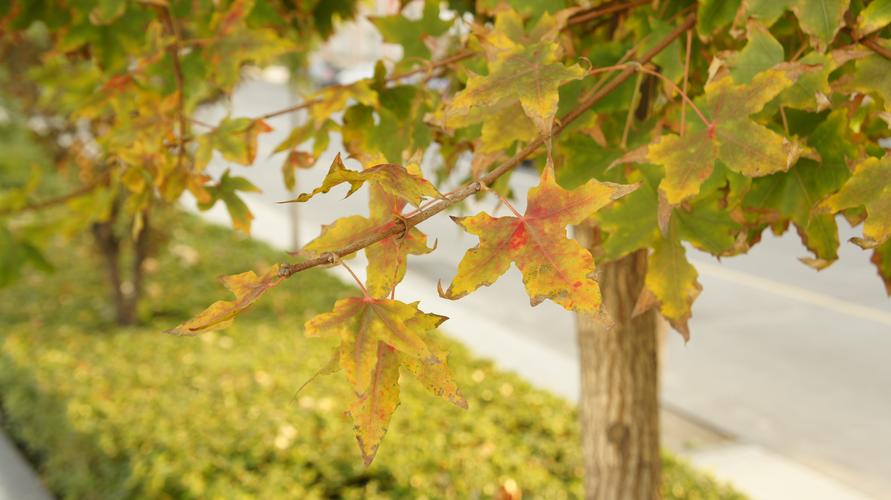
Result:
762,52
821,19
630,222
731,136
869,187
234,138
795,193
226,190
872,75
714,15
410,34
875,16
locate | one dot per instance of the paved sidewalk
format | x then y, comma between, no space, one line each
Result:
18,481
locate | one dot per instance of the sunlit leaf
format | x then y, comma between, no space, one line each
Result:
554,266
376,336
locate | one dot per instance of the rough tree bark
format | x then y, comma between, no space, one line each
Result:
619,404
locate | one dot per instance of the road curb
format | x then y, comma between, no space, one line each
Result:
18,480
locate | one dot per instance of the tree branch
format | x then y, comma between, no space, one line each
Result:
173,50
600,10
399,225
40,205
580,18
875,47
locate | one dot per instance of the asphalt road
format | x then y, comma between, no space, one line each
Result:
781,355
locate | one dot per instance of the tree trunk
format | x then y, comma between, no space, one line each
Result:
619,407
125,294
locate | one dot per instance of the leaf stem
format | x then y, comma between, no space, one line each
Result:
460,194
631,106
349,270
674,86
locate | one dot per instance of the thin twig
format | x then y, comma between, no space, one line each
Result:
40,205
458,195
466,54
674,86
630,116
173,50
594,13
876,47
686,79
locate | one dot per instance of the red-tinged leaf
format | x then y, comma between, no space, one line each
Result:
394,179
732,137
247,287
554,267
870,187
371,411
295,160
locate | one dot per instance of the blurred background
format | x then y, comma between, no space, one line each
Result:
782,391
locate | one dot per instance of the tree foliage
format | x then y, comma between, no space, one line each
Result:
664,124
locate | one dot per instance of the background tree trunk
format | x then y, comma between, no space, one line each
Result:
619,404
125,293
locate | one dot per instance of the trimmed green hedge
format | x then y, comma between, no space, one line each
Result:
132,413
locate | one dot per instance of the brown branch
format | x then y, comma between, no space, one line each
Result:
399,225
303,105
461,55
40,205
876,47
594,13
173,50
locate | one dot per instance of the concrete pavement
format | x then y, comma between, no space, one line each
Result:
18,481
